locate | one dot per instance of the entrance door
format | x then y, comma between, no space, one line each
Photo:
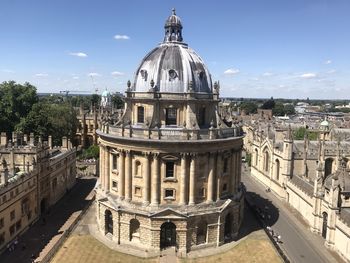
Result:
167,235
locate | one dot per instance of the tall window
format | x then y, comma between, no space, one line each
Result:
114,162
225,165
201,116
170,118
140,114
169,169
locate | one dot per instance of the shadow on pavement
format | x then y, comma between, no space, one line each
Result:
257,206
41,232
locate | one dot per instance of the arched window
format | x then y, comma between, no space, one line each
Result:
140,114
108,222
256,157
202,232
328,167
266,161
277,171
134,230
324,224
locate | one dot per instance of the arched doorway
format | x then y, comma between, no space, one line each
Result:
324,224
228,226
167,235
108,222
134,230
202,232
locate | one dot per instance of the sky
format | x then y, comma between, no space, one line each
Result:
279,48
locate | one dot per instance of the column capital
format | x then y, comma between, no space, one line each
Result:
147,154
127,152
184,155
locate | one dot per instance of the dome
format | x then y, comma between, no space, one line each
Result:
325,123
106,93
173,67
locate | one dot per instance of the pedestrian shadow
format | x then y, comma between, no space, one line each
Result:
259,213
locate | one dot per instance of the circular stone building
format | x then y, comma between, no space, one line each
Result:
170,167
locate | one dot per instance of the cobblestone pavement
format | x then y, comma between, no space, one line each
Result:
39,234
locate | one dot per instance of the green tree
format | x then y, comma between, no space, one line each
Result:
289,109
278,109
269,104
92,152
117,101
16,101
53,119
299,134
248,107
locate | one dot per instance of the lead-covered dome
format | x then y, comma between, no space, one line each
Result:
172,66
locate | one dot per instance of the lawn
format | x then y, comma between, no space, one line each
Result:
86,249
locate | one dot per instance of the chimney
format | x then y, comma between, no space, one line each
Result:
12,160
31,139
4,176
3,141
50,141
69,144
64,142
25,138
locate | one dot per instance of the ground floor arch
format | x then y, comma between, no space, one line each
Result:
108,222
167,235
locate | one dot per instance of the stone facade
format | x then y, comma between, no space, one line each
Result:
170,167
34,176
312,176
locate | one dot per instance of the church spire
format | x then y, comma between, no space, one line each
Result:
173,28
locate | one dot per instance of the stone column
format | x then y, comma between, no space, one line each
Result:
155,192
107,170
121,186
192,198
147,180
218,175
128,176
233,174
211,177
101,163
183,179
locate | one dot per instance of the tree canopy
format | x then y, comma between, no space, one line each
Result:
16,101
248,107
269,104
299,134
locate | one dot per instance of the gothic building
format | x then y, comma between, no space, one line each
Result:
170,167
311,176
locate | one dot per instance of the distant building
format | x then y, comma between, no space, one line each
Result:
34,176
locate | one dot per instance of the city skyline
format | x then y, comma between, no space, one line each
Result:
289,50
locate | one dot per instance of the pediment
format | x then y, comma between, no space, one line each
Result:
168,213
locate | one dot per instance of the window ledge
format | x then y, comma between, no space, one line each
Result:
170,179
169,198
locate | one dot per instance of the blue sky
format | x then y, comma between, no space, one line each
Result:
279,48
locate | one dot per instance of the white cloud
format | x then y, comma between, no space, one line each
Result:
41,75
267,74
117,73
327,62
94,74
331,71
121,37
231,71
75,77
78,54
7,71
308,75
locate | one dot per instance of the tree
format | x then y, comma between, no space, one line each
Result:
278,109
16,101
248,107
289,109
269,104
53,119
117,101
299,134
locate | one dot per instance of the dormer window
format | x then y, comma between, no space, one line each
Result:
144,74
201,75
170,116
140,114
172,74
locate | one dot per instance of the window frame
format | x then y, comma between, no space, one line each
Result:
140,114
171,116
